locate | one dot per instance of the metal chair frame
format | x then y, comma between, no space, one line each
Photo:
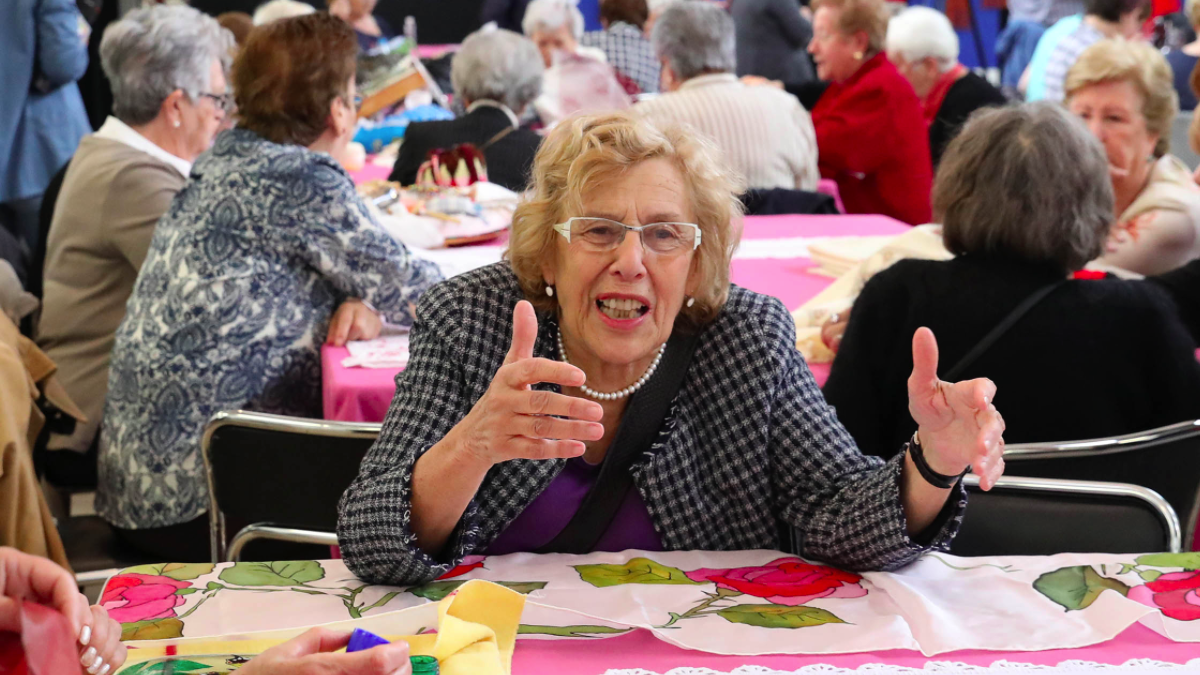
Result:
1014,454
259,531
1152,499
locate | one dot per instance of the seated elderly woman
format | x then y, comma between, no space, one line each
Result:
1122,91
556,26
266,253
496,73
764,134
923,46
646,402
167,69
871,132
624,43
1117,345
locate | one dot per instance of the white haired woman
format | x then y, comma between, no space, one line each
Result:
497,74
280,9
923,46
167,68
607,388
1122,91
557,26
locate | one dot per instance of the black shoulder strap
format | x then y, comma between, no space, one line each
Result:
1001,328
643,419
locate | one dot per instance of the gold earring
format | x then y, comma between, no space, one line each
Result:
858,56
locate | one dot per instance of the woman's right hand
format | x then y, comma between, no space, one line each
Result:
512,421
310,654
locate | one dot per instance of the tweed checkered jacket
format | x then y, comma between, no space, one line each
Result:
749,441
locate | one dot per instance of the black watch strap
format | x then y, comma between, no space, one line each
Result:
938,480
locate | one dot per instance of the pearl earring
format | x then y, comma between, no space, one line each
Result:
176,124
691,301
550,291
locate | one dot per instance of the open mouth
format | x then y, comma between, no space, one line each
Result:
622,309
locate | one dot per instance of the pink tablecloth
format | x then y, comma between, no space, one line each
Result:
363,395
642,650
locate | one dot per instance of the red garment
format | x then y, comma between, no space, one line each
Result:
937,95
873,141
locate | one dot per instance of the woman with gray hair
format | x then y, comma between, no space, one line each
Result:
497,74
923,46
1025,202
167,68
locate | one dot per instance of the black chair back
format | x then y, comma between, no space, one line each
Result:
285,472
779,201
1037,516
1165,460
37,267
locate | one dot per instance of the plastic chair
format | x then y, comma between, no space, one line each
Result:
1165,460
1041,516
280,478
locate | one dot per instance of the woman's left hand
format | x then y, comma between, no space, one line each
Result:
354,320
958,426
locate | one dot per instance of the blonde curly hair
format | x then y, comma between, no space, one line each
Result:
1136,62
584,152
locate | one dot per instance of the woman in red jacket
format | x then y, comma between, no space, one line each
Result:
871,136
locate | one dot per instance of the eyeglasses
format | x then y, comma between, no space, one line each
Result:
222,101
602,234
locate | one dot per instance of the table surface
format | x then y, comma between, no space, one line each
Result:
363,394
640,649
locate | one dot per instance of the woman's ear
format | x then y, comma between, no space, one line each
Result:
861,42
172,106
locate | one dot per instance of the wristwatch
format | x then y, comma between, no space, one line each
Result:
938,480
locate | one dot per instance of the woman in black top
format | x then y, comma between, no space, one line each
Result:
1025,201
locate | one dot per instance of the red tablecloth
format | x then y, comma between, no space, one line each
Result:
363,394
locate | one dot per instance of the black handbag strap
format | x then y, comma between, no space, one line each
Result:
998,332
644,417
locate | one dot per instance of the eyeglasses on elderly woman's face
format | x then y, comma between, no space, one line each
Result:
602,234
222,102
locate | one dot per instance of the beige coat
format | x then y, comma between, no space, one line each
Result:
25,375
112,197
1160,230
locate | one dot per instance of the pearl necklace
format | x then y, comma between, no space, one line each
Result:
622,393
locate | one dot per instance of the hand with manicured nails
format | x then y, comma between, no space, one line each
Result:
958,426
311,654
511,421
354,320
24,577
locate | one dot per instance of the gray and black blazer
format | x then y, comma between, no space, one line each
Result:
750,442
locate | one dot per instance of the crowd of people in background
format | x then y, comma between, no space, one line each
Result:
194,251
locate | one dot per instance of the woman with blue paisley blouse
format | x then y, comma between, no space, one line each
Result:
265,253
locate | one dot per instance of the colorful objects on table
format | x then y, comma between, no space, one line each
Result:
361,640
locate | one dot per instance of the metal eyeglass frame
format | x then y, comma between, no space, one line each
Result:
564,228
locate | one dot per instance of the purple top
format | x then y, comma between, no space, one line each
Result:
550,512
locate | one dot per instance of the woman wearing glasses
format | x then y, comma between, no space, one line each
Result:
607,388
265,254
167,68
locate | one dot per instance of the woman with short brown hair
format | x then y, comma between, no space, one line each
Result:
264,255
625,43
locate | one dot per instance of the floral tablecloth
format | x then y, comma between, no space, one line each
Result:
738,603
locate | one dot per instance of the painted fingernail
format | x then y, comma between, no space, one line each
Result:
104,670
88,657
85,635
96,666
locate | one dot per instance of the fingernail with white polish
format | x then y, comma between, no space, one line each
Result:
96,667
104,670
85,635
88,657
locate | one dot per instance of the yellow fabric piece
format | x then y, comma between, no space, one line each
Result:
477,632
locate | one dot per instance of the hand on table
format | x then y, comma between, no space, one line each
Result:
24,577
958,426
511,421
834,328
309,654
354,320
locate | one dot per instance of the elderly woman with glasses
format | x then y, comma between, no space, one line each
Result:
265,254
607,388
167,69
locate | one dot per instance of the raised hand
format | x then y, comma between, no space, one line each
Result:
511,421
958,425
